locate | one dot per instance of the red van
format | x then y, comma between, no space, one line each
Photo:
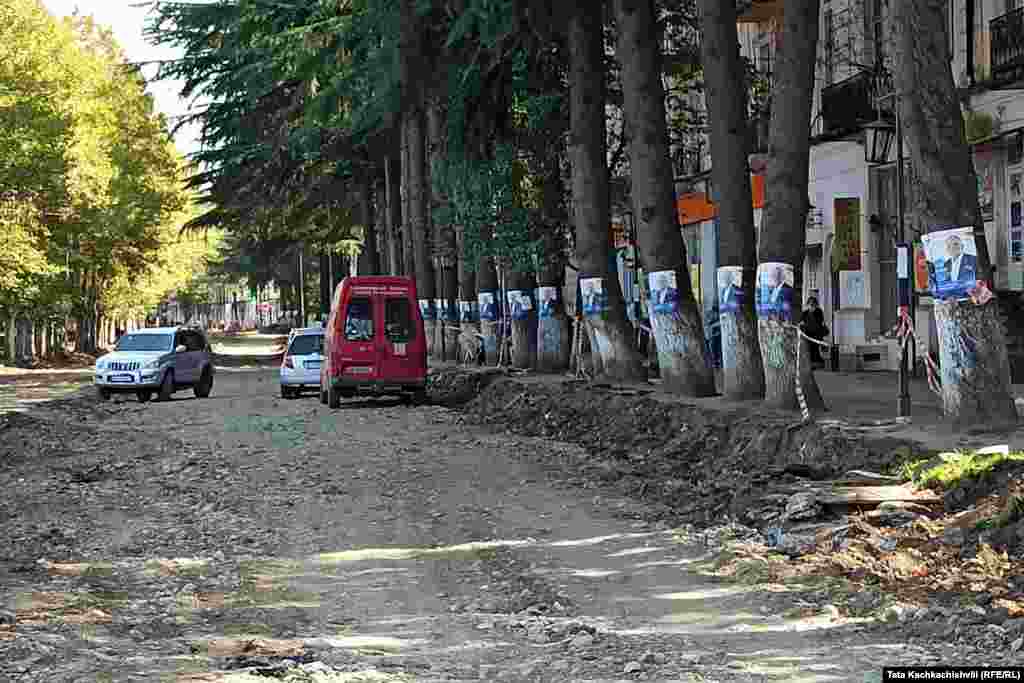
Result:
374,341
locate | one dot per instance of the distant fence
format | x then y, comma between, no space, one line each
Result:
241,315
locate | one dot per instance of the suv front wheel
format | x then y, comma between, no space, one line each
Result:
167,386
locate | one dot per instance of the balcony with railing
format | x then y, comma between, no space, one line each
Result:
849,104
1007,47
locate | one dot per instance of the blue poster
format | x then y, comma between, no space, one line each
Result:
952,263
519,304
547,299
488,302
595,299
469,311
730,289
428,310
775,291
664,292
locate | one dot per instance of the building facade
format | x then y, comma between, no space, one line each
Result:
850,262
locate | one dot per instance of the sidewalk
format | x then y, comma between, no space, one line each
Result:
864,400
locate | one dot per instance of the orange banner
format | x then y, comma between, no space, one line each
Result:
695,207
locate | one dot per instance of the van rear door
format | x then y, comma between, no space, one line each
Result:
400,358
359,337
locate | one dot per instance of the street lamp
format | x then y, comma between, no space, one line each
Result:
878,139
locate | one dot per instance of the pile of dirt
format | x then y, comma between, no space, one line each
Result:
698,464
457,386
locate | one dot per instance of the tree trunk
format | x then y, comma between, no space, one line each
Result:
606,313
523,319
469,309
380,212
490,308
393,182
553,326
408,251
12,336
325,285
976,386
685,367
445,255
369,259
419,225
743,370
783,233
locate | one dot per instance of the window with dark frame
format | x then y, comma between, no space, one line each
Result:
399,327
359,319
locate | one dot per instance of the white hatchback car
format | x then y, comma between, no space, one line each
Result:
300,368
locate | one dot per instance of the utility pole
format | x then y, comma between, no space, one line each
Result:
302,288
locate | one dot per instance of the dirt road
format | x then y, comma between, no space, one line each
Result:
233,538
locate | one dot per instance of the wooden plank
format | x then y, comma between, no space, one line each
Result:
847,495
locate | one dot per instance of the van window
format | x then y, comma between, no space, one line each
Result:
398,320
359,319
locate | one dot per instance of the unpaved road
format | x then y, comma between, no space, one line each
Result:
197,539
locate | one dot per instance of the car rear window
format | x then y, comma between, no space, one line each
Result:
359,319
398,320
145,342
306,345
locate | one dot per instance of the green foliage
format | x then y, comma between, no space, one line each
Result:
88,175
949,470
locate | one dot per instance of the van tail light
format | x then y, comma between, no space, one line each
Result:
288,363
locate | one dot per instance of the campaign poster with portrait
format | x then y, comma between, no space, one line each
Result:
488,302
519,304
730,289
468,311
547,299
428,310
775,295
952,262
664,292
595,299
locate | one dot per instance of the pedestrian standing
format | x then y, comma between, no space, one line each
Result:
812,323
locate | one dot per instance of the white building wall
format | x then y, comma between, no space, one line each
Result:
838,171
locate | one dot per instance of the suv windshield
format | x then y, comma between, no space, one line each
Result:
145,342
307,345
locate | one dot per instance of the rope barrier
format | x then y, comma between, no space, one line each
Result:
805,410
905,333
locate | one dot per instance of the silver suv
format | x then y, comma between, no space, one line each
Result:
159,359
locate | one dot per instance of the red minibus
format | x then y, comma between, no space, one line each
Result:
374,341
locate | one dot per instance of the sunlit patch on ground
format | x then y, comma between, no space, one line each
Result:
18,392
77,568
299,675
41,608
452,552
635,551
179,566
